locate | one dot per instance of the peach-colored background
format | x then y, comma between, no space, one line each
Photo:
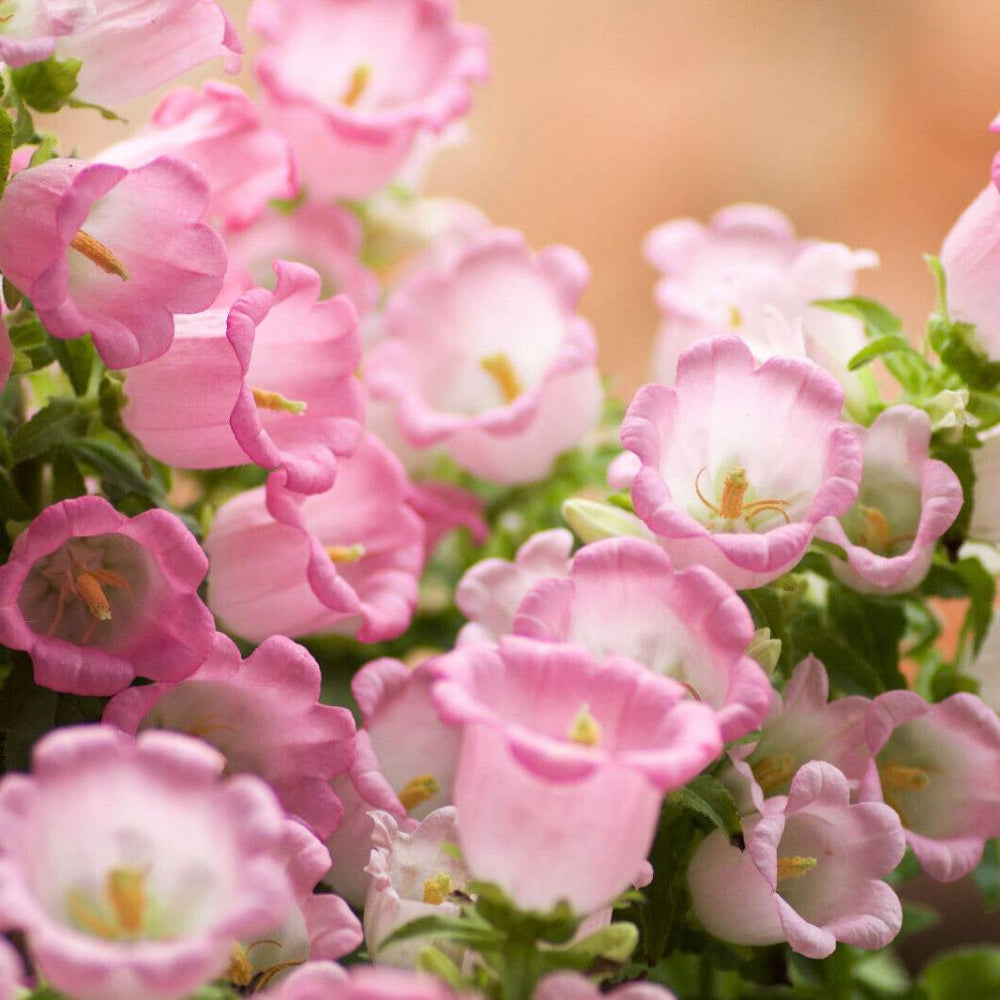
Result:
865,120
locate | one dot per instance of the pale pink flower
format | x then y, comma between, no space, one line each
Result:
985,522
486,355
114,252
30,30
623,598
12,984
131,868
336,85
938,766
263,715
906,502
413,876
272,381
727,277
801,726
218,130
490,591
326,237
444,508
740,463
573,986
550,737
985,668
324,981
97,598
346,560
810,874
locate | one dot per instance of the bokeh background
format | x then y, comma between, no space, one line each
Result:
865,120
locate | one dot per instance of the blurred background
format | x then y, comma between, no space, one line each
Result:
865,120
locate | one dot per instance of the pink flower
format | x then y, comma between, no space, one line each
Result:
810,874
551,736
346,560
906,502
272,382
970,256
622,598
740,463
573,986
218,130
800,727
490,591
727,277
444,508
322,981
413,875
938,766
328,238
316,926
131,868
985,668
263,715
130,47
114,252
97,598
487,356
336,84
12,983
30,29
985,523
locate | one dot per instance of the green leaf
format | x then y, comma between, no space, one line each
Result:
27,711
956,344
6,146
66,479
46,86
918,917
614,943
878,321
986,875
58,423
24,126
437,963
76,357
959,460
106,113
981,588
119,470
28,338
883,345
708,797
47,150
458,929
963,975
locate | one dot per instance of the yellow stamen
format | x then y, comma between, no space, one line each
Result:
735,318
878,535
267,400
240,969
87,917
732,507
734,489
99,254
126,891
773,772
585,730
437,889
359,83
89,588
795,867
902,778
417,790
500,368
345,553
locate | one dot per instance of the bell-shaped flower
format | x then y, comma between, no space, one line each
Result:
333,76
563,766
725,278
346,560
810,874
623,598
29,30
272,381
316,927
444,507
984,525
131,868
800,726
413,876
740,463
985,668
326,981
263,715
113,252
906,502
486,355
938,766
97,598
219,130
573,986
491,590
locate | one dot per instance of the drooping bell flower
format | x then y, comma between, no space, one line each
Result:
739,462
335,83
29,31
801,726
131,868
491,590
906,502
573,986
113,252
345,560
97,598
272,381
623,598
551,738
747,263
219,130
938,766
486,355
413,875
316,927
810,874
263,715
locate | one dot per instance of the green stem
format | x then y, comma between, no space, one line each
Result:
520,970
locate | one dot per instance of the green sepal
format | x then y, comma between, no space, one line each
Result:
46,86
